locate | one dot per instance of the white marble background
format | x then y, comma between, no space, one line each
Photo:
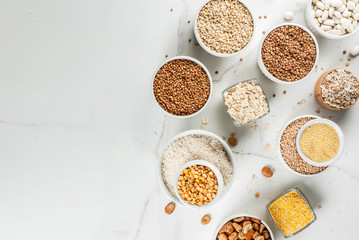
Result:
81,135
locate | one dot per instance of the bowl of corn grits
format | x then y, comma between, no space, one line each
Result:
320,142
291,212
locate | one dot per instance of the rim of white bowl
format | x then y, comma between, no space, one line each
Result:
217,54
264,69
216,172
309,18
337,129
280,154
204,133
236,215
210,84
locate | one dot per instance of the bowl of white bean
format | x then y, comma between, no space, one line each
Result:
333,19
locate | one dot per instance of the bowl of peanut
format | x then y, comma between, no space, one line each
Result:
199,184
243,226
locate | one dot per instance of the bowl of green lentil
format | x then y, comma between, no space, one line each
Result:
320,142
182,87
224,28
288,53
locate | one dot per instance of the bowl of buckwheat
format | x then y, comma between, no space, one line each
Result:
288,53
224,28
199,184
182,87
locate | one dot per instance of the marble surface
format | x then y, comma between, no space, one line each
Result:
81,134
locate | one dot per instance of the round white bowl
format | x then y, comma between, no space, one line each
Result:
216,172
225,220
217,54
341,142
210,82
309,19
264,69
197,132
280,154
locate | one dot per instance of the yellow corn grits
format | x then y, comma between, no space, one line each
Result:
320,142
290,213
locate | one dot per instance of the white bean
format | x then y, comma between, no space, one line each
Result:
336,20
331,12
356,9
337,14
345,22
288,16
350,28
325,27
355,51
356,16
325,15
336,3
320,20
346,13
355,23
329,22
350,5
319,13
342,8
320,5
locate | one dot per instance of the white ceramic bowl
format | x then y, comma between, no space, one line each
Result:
197,132
225,220
216,172
217,54
264,69
341,142
210,82
280,154
309,19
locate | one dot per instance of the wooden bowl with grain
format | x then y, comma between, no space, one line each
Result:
318,92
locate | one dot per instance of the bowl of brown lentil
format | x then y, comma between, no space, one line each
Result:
182,87
287,150
199,184
288,53
191,145
243,226
320,142
224,28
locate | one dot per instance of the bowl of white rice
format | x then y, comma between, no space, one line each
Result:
191,145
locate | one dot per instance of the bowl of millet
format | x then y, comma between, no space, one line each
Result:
182,87
223,28
288,54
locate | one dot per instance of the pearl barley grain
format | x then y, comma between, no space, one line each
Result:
288,16
225,26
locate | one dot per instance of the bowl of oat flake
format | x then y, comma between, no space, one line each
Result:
182,87
337,89
288,54
223,28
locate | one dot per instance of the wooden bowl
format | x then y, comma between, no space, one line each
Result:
318,92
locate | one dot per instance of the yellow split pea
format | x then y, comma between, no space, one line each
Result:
320,142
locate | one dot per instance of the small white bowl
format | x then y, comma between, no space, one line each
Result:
210,83
313,26
216,172
217,54
227,219
204,133
341,142
280,154
264,69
